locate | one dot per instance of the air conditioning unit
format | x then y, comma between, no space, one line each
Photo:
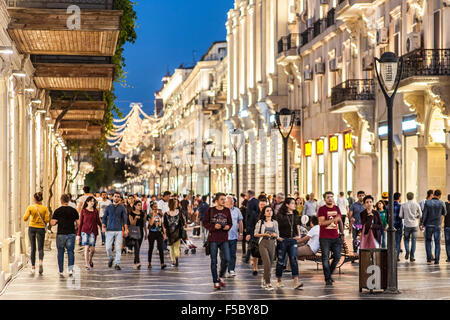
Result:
310,23
319,68
382,36
412,41
332,65
367,62
323,2
308,75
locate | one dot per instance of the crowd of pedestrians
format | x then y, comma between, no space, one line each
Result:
274,230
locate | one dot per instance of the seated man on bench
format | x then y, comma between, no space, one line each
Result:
311,239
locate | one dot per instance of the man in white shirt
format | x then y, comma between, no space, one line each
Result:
312,239
102,204
342,204
411,214
310,207
163,204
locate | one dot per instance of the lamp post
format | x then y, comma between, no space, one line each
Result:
160,171
177,163
237,139
285,123
391,68
208,147
168,168
190,160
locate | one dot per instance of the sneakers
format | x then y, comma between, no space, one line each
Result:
263,284
70,273
412,259
329,282
163,266
150,266
117,267
222,282
110,262
217,286
232,273
269,287
61,275
41,269
32,270
280,284
300,285
407,256
91,264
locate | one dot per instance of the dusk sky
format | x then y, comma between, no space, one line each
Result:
169,33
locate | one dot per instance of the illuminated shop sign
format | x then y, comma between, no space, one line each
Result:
333,143
409,125
308,149
348,141
383,130
319,147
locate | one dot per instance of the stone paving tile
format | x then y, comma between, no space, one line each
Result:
192,280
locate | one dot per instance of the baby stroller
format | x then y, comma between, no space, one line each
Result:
188,245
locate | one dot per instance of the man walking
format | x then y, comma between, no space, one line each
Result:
252,218
218,221
330,222
411,214
447,228
398,223
67,218
202,208
355,218
163,203
103,203
422,206
114,219
234,234
310,207
433,211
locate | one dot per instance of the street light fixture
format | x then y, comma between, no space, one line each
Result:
177,163
190,160
391,68
160,170
168,168
237,140
208,147
285,122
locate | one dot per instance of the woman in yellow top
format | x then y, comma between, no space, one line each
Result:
38,214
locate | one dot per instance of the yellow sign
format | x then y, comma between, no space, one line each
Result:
333,144
308,149
319,147
348,141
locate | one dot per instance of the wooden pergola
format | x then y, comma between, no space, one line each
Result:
68,59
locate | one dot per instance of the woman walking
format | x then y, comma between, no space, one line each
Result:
372,225
39,217
174,225
266,230
156,232
136,218
89,227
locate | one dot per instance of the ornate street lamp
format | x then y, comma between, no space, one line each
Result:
190,160
285,122
168,168
391,68
160,171
237,140
208,147
177,163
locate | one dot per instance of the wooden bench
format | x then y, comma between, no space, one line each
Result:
346,256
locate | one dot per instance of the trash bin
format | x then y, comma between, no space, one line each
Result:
373,269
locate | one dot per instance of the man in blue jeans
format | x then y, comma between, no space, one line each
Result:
218,221
234,234
114,219
433,212
331,227
398,223
67,218
447,228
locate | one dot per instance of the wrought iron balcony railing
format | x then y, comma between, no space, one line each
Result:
291,41
330,20
353,90
318,27
426,62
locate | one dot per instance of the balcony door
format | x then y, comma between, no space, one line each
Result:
437,29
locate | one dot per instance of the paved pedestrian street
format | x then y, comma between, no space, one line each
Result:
192,280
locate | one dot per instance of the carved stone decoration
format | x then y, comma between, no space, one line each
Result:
443,94
5,67
354,121
416,104
367,113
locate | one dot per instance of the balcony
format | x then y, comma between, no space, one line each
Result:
288,43
347,9
349,95
319,26
423,67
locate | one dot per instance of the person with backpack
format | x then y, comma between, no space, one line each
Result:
39,218
174,224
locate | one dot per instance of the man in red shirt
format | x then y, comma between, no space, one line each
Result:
218,221
330,224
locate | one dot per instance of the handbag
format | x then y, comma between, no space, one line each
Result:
134,232
207,245
45,224
254,244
